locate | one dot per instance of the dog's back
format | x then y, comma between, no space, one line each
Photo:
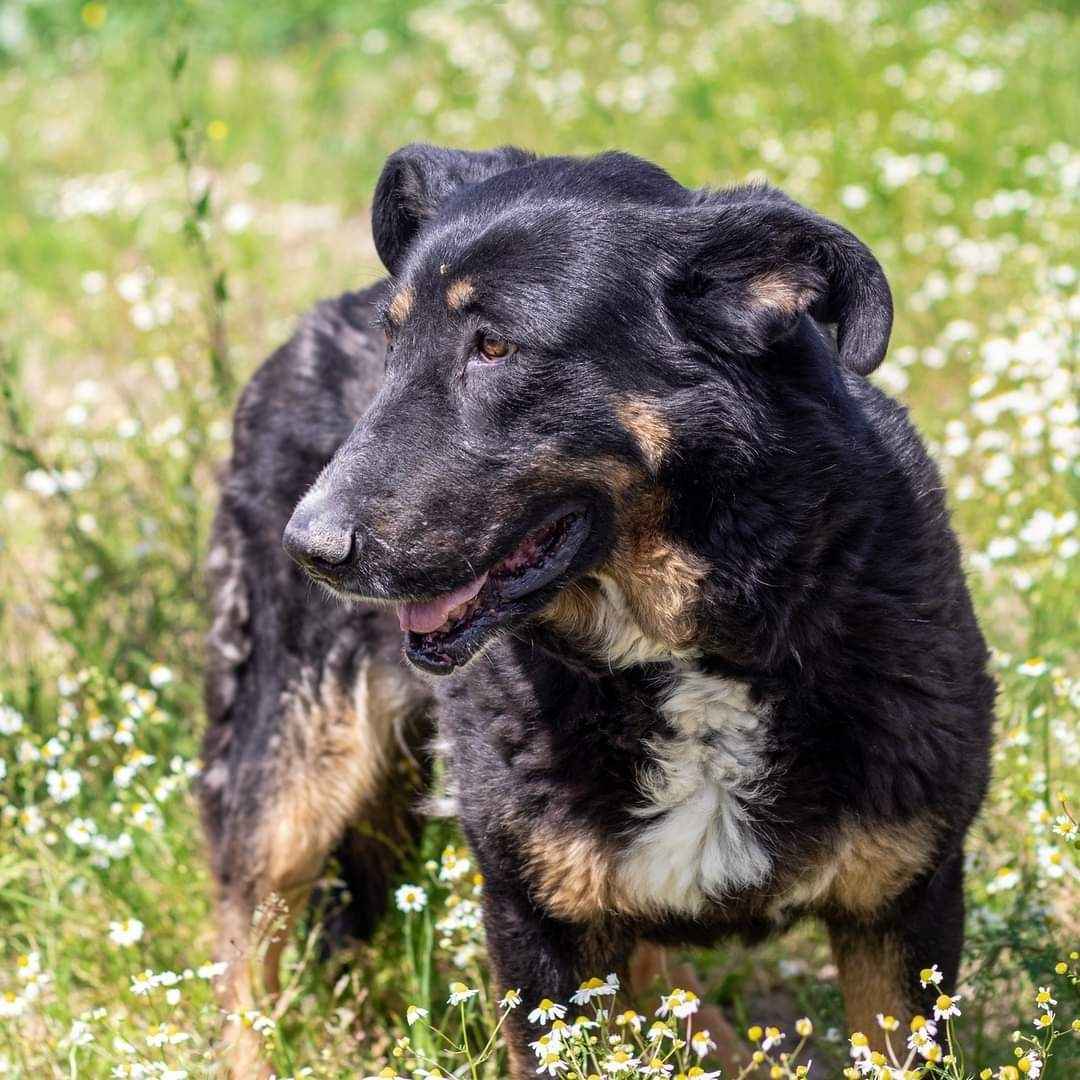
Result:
314,722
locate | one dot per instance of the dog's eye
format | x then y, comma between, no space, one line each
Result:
495,348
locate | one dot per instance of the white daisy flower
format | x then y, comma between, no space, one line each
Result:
27,965
1050,860
52,751
460,993
1005,879
551,1064
126,932
680,1003
546,1044
1034,1064
1034,667
34,983
1065,826
630,1019
656,1067
701,1043
946,1006
859,1046
80,831
454,864
143,983
63,784
773,1037
410,898
595,988
545,1011
414,1013
11,720
160,675
621,1060
12,1004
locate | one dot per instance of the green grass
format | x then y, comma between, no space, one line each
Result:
948,137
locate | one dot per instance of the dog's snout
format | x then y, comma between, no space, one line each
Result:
316,540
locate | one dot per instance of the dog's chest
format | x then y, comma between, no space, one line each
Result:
697,839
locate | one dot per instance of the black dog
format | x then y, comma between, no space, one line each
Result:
731,675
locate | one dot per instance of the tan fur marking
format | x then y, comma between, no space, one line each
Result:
777,293
863,868
336,740
573,610
572,876
645,423
402,304
871,975
459,293
658,581
880,862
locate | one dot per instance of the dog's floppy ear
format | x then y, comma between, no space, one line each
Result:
416,179
760,261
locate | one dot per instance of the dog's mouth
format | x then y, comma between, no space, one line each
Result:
446,632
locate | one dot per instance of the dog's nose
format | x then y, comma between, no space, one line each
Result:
315,539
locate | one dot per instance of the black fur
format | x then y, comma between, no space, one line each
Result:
830,582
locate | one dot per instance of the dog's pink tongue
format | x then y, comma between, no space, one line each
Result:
428,616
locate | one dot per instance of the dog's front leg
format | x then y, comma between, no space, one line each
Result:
543,958
880,961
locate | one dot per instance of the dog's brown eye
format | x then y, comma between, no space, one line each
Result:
494,348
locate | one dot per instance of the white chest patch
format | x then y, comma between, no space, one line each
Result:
702,843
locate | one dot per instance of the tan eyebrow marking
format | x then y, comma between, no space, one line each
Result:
402,304
460,293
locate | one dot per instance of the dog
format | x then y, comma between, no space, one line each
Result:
676,583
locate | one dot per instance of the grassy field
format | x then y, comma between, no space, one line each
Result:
178,182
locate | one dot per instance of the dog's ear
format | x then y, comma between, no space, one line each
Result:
759,261
416,179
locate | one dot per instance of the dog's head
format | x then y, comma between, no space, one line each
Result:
571,344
